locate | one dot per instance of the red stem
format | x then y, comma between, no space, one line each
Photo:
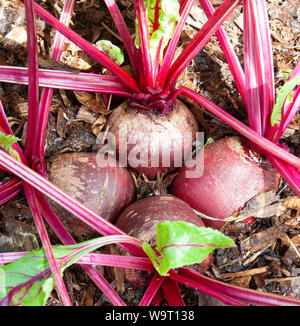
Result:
10,188
205,289
200,40
157,299
90,49
152,289
33,104
144,49
239,293
59,229
124,34
33,79
262,142
231,57
172,293
9,184
289,173
66,80
62,290
4,122
252,89
46,96
10,196
258,65
94,259
171,48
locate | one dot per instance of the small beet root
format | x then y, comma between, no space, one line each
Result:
139,221
232,175
104,190
154,143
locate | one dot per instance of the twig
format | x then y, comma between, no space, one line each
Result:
111,31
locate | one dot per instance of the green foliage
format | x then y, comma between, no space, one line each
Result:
29,281
181,243
161,23
6,142
111,50
285,97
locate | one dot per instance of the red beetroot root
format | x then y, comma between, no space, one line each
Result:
139,220
106,191
156,135
232,176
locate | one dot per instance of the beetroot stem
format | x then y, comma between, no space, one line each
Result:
10,196
172,293
171,48
140,263
33,82
4,122
103,285
124,34
230,55
288,172
144,49
262,142
66,80
205,289
46,96
90,49
239,293
276,131
66,238
200,40
258,65
33,105
10,190
34,206
152,289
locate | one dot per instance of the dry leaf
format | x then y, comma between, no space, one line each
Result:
61,123
241,281
89,300
86,115
293,203
249,272
259,240
98,125
92,101
261,200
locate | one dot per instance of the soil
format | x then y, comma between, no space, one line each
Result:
266,255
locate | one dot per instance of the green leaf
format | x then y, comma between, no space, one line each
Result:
24,283
111,50
284,97
6,142
162,18
28,281
181,243
209,141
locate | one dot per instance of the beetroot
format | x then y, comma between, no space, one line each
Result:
106,191
232,175
151,135
139,220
